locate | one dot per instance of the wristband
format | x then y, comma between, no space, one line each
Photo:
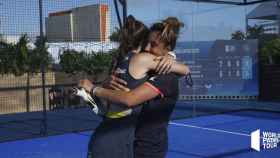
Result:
93,91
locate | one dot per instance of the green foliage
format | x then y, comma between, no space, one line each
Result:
22,56
270,52
263,39
73,62
238,35
14,58
115,36
254,32
7,58
40,55
19,58
99,62
1,38
268,43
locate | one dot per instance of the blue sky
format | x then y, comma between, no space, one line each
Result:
203,21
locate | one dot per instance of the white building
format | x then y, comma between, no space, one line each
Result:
57,48
269,15
270,27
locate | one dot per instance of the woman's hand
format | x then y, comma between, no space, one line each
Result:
118,84
86,84
165,64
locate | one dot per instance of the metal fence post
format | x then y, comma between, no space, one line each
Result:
124,11
44,121
278,17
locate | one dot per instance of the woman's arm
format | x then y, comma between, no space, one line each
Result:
146,62
131,98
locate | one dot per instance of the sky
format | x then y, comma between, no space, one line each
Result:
203,21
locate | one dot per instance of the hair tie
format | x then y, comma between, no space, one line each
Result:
165,30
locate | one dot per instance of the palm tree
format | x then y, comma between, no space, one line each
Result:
238,35
254,32
268,44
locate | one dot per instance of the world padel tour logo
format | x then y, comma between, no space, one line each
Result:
264,140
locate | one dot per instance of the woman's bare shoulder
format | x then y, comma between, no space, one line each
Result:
142,57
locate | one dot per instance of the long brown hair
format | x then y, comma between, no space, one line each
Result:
133,35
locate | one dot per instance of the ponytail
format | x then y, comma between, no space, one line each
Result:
169,31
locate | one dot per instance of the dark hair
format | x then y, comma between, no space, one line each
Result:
168,31
133,34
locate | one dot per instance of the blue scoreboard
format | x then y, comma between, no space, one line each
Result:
221,67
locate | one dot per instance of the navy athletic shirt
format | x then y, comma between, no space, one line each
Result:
117,110
114,136
151,138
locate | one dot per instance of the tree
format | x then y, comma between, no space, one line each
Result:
15,59
7,58
98,62
238,35
254,32
1,38
19,59
115,36
270,52
22,56
72,61
30,61
95,63
40,55
264,38
267,43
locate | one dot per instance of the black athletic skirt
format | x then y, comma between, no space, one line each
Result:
113,138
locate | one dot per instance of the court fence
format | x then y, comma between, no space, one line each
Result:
17,97
41,104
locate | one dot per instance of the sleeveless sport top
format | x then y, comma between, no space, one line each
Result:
122,71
